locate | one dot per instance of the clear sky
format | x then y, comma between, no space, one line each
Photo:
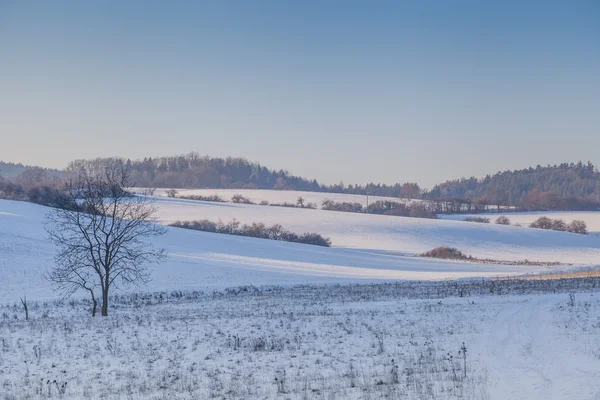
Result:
335,90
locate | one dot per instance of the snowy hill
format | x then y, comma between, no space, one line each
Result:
398,235
363,249
591,218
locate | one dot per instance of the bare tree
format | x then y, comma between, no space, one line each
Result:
101,232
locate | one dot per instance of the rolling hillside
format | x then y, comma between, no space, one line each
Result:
366,248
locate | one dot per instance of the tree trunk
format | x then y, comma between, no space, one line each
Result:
94,304
105,302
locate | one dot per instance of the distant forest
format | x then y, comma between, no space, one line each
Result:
12,170
195,171
568,186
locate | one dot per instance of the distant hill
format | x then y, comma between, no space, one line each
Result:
12,170
567,186
195,171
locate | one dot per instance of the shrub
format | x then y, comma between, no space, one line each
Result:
238,198
542,223
315,239
215,198
420,210
577,226
448,253
294,205
502,220
49,196
172,192
387,207
481,220
256,230
559,225
344,206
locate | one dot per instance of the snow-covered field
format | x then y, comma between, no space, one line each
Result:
366,248
591,218
293,327
373,342
363,252
400,235
277,196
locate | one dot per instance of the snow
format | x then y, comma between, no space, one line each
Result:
184,336
399,235
307,342
277,196
199,260
367,248
591,218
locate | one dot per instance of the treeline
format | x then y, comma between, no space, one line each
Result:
195,171
384,207
256,230
38,185
567,186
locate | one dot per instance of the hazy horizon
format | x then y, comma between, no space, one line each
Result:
421,92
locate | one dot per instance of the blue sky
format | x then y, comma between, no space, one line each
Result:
348,90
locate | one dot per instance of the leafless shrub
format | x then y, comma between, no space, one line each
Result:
256,230
212,198
577,226
502,220
445,252
240,199
571,300
280,381
481,220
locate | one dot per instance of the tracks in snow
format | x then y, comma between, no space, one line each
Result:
530,358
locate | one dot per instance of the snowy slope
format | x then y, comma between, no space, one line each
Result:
388,234
591,218
277,196
200,260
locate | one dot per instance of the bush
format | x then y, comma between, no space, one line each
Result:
559,225
172,192
577,226
420,210
214,198
256,230
49,196
502,220
447,253
481,220
542,223
238,198
387,207
312,206
344,206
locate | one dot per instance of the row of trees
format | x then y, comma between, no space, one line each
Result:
567,186
575,226
384,207
256,230
195,171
